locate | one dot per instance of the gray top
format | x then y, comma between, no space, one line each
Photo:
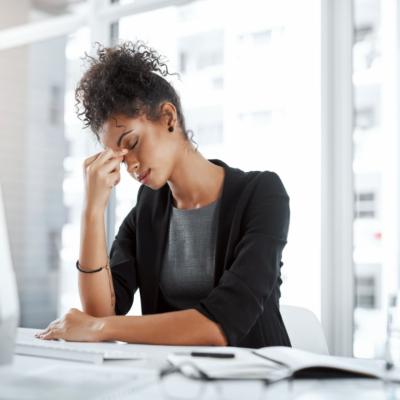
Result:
187,273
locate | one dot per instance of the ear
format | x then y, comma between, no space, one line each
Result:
168,114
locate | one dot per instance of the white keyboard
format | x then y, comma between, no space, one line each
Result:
76,351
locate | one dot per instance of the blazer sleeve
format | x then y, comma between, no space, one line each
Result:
122,264
238,300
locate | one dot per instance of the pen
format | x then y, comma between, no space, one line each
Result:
208,354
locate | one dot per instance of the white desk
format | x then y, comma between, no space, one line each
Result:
34,377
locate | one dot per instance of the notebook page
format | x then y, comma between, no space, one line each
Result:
243,366
299,359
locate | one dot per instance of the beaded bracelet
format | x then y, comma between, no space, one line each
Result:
78,266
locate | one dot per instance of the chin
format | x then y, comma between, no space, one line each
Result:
154,186
154,183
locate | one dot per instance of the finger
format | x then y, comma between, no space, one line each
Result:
48,329
96,159
44,331
112,165
109,153
108,163
106,154
114,178
52,334
90,159
40,335
50,326
55,322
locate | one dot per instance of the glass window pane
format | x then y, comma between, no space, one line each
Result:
376,170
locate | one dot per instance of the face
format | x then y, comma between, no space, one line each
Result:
153,150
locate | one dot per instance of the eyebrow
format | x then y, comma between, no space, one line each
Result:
122,136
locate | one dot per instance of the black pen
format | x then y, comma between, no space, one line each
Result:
207,354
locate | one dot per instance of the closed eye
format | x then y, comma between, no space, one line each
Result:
133,146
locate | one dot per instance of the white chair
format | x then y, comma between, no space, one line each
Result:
304,329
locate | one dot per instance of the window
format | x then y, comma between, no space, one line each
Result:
365,205
375,169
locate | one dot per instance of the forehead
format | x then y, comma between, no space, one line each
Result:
115,126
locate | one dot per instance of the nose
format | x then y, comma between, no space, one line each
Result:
132,164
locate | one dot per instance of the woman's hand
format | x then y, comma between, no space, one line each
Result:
75,326
102,173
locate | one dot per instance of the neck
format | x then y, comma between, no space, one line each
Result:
195,181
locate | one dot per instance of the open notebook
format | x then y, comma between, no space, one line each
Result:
95,353
276,363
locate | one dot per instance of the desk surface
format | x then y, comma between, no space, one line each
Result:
35,377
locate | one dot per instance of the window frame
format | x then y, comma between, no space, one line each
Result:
337,270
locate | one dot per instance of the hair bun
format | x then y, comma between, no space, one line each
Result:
138,57
125,79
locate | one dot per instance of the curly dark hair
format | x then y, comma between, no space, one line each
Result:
125,79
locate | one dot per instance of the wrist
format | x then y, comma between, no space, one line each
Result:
105,329
91,212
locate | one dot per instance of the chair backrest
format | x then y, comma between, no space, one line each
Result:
304,329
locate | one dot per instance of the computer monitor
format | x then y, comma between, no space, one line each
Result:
9,305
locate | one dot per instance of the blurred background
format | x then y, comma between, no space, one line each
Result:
306,88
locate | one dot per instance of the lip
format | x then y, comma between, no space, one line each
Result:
143,177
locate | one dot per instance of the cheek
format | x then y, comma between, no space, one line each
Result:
162,166
159,154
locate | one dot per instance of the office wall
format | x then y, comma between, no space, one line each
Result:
32,151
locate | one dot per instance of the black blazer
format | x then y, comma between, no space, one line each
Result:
252,231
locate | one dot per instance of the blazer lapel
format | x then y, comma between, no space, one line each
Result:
226,213
153,240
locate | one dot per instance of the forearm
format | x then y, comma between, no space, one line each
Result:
96,289
187,327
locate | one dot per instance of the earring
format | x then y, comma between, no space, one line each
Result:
170,129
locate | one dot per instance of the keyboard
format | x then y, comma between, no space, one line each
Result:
96,353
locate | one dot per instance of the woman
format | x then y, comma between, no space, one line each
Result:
204,242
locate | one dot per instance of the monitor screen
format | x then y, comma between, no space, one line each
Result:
8,285
9,306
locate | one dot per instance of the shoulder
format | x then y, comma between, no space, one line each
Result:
264,206
257,182
262,189
270,183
